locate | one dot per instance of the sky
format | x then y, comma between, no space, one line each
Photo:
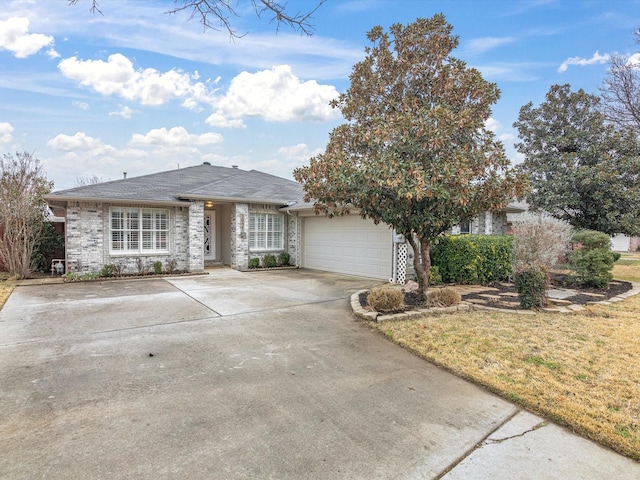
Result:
136,90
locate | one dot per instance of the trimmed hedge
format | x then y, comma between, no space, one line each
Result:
473,259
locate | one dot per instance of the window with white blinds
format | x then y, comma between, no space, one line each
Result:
266,231
139,230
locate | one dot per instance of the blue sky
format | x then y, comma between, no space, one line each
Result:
136,90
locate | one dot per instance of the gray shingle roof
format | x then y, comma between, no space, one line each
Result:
208,182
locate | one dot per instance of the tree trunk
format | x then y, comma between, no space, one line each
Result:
421,263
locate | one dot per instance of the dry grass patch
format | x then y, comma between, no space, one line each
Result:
627,269
580,370
6,287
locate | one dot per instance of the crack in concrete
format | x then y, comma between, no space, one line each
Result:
491,441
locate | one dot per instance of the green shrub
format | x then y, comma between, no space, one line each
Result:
284,258
616,256
473,259
434,275
593,261
443,297
107,270
386,299
254,262
269,261
172,265
531,283
157,267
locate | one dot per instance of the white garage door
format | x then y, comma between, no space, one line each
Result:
347,245
620,243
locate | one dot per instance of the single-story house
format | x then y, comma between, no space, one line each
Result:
210,215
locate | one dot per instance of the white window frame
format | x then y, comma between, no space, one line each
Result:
469,225
266,232
138,231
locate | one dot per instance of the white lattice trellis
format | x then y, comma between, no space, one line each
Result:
402,263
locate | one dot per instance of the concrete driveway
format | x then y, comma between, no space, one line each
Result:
235,375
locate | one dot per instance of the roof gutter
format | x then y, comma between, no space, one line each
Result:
58,199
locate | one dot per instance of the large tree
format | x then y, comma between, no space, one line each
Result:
217,14
582,169
415,153
620,90
23,185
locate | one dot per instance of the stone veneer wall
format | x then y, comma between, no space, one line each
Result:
240,253
84,242
87,239
195,235
240,236
293,225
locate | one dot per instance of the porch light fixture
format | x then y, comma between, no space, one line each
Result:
208,204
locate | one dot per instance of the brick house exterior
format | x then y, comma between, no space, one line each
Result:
210,215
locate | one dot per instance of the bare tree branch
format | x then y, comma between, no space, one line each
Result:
217,14
620,93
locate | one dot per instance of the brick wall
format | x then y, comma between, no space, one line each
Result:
87,240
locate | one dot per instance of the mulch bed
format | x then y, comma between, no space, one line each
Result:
582,297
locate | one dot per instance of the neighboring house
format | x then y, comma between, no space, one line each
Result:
210,215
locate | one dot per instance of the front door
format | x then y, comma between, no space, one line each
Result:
209,235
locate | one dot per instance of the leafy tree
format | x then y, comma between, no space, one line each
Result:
415,152
216,14
620,90
582,169
23,185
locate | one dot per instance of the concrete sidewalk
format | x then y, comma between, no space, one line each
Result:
249,375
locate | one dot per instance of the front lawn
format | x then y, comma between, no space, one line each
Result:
580,370
6,287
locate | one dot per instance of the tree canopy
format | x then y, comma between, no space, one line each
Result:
582,169
415,152
217,14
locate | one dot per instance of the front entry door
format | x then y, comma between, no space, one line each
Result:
209,235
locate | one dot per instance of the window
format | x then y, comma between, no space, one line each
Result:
139,230
465,227
266,231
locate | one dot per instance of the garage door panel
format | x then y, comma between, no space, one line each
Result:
348,245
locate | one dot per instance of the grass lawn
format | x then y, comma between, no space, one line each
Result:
6,287
580,370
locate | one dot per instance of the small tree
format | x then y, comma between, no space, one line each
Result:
540,239
23,185
593,261
415,153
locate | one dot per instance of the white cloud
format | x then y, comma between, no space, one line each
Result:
79,141
81,105
634,61
496,127
175,137
6,132
276,95
124,112
484,44
117,76
218,120
298,152
595,59
14,38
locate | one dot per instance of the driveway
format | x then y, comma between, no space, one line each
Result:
226,376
